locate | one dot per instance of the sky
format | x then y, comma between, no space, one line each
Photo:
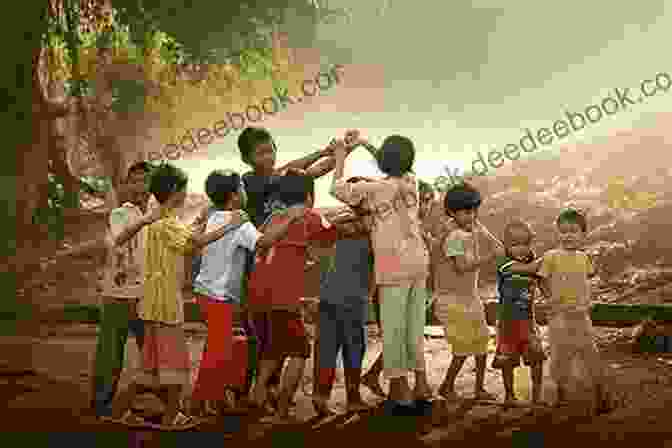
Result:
460,77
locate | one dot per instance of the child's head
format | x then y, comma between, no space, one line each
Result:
396,156
572,227
518,238
257,148
135,184
461,202
168,184
225,189
296,189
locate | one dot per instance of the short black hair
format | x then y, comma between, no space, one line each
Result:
165,180
573,216
293,188
249,139
143,166
396,156
220,186
462,196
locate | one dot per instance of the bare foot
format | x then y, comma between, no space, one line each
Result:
373,385
510,401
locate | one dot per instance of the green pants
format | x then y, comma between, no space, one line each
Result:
402,311
113,331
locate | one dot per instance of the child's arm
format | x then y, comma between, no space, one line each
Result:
527,268
277,229
351,193
93,247
129,231
197,241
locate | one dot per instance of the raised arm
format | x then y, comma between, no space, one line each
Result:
305,162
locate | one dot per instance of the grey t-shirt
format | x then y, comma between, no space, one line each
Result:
347,280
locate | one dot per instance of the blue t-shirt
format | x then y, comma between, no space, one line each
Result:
345,281
514,291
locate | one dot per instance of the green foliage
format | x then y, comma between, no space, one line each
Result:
220,31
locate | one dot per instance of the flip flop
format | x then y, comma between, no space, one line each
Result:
181,422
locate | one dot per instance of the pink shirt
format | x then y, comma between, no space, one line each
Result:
400,254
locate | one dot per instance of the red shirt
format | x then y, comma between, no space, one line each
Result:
278,279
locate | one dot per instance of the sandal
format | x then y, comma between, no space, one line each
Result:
181,422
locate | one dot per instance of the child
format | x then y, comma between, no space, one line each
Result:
277,285
343,312
401,263
258,150
165,357
457,305
219,282
517,335
372,377
565,272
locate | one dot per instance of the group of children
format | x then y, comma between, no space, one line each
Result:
394,243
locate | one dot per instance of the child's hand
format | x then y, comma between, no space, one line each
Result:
352,137
151,216
340,149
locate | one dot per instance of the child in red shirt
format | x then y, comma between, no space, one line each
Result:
277,285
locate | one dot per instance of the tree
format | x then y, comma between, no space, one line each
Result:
94,76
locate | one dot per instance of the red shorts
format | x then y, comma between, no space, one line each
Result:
287,338
224,362
518,340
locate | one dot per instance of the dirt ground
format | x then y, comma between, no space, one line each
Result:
43,387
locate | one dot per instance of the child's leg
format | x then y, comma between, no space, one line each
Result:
329,345
265,370
289,329
354,348
371,378
507,377
447,388
537,379
395,340
292,376
109,359
124,400
171,399
479,389
416,315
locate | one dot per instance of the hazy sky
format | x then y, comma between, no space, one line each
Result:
462,76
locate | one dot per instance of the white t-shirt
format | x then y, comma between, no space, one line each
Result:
124,271
223,265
